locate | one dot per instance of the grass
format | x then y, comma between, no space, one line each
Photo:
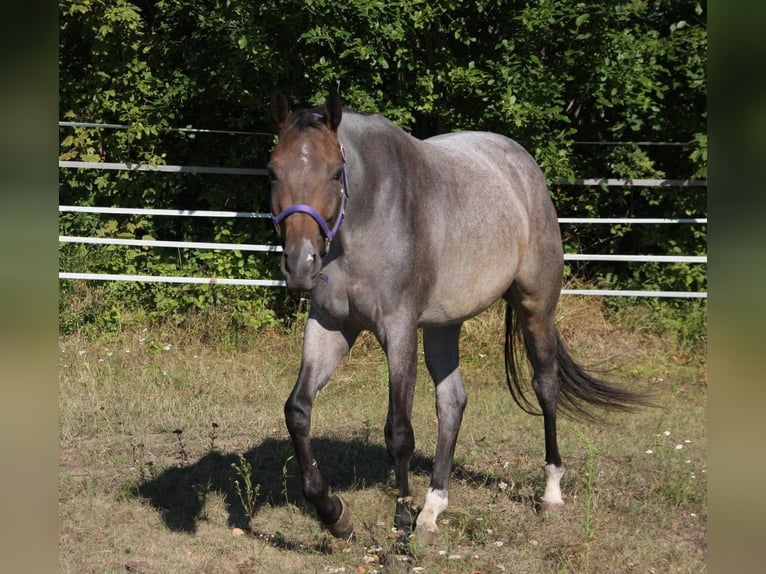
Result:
174,457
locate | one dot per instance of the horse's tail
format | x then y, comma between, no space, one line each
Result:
579,390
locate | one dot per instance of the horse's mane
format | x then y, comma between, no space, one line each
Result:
304,119
314,117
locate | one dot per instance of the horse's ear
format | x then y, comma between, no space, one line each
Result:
333,111
280,110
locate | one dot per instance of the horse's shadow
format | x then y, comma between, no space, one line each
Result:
180,493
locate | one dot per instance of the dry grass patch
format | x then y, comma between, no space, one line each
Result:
159,431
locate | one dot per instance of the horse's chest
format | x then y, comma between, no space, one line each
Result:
330,296
346,298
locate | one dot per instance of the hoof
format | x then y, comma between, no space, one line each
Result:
344,526
551,507
425,534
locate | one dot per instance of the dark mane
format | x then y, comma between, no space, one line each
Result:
314,117
304,119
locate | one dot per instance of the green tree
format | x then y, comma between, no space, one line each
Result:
548,73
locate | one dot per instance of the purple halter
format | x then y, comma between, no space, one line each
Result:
327,233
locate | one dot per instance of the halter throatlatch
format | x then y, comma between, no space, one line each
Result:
327,233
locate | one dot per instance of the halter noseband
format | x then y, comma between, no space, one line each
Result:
327,233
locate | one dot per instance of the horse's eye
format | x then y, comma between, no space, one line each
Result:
338,175
272,175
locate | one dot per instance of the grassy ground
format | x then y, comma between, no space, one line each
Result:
174,458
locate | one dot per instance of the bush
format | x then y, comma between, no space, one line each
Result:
548,74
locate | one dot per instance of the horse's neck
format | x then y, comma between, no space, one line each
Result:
377,146
386,170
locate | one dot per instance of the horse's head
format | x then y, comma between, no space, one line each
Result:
307,186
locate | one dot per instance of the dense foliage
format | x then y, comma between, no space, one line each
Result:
549,73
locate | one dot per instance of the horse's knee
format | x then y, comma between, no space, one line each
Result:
400,439
398,431
297,417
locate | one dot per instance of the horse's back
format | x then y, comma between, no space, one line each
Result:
513,180
491,220
496,154
447,224
503,166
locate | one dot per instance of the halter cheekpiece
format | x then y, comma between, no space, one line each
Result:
327,233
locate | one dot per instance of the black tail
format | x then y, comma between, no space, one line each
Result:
579,390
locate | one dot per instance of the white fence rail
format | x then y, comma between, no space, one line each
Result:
268,248
278,249
610,182
162,168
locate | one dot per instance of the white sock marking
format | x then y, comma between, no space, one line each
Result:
552,494
436,502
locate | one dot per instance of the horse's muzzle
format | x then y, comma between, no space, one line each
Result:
301,263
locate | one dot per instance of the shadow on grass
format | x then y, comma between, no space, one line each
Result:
179,493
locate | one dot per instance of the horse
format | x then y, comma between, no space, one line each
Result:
392,234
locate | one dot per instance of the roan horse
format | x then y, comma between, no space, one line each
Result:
392,234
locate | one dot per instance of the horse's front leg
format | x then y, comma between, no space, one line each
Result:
323,348
400,345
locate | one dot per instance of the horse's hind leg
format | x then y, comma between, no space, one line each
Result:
441,346
536,316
